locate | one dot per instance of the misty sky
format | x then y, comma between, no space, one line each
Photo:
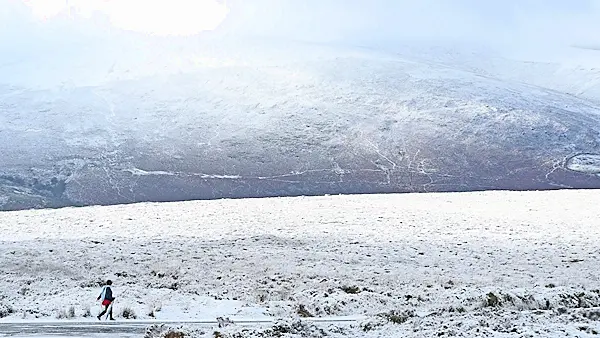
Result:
496,22
563,21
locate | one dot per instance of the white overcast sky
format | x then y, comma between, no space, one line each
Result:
504,22
562,21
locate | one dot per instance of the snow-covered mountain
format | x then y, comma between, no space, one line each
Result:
152,120
575,71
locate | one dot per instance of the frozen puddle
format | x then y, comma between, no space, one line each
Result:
585,163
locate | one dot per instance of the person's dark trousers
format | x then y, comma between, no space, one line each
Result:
108,308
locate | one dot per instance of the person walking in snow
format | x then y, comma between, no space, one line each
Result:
106,297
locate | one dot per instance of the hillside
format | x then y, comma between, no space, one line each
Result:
215,119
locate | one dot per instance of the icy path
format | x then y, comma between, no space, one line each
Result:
481,264
130,328
37,330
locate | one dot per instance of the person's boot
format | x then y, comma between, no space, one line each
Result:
99,318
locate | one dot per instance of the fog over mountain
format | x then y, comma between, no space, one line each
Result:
295,98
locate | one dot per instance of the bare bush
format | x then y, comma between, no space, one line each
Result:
128,313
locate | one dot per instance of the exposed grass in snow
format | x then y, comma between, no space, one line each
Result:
467,264
161,331
5,310
66,314
128,313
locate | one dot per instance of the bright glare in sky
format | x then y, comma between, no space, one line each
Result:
159,17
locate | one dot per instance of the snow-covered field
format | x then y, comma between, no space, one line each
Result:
485,264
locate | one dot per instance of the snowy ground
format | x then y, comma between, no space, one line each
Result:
465,264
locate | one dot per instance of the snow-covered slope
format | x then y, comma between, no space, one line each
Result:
574,70
485,264
151,121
